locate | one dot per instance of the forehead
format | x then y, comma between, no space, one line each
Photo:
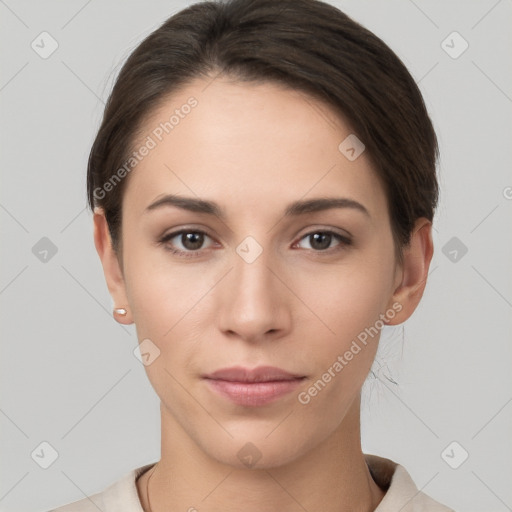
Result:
247,144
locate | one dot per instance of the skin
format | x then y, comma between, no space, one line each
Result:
253,149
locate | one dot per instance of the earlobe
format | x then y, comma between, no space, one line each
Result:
414,271
111,267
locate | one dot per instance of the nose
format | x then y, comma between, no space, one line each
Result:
254,303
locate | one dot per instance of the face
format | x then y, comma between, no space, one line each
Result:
250,268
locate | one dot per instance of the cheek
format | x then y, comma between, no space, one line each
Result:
349,302
350,298
159,293
341,359
163,303
171,306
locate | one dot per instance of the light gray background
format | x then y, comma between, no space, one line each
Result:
69,376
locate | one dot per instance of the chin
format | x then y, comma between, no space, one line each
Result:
256,451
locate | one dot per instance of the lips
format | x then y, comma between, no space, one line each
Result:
259,374
250,388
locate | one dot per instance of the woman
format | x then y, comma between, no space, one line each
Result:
263,186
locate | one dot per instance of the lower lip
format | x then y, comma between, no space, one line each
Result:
254,393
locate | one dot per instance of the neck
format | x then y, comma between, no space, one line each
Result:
332,477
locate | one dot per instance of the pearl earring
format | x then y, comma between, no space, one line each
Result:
120,311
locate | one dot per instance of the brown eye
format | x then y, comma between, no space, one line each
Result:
323,240
186,242
192,241
320,241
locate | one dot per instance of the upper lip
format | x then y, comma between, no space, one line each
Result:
259,374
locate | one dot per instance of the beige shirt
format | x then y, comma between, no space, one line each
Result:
402,495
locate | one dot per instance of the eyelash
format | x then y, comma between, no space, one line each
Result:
185,254
344,242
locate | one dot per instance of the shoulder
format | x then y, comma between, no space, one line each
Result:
401,491
121,492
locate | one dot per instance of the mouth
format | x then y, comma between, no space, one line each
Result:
259,374
253,387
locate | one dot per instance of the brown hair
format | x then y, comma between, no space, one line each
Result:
306,45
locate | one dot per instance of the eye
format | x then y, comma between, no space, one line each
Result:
323,240
185,242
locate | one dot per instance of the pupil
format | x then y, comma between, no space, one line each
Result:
320,240
192,241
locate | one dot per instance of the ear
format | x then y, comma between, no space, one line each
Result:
111,267
413,272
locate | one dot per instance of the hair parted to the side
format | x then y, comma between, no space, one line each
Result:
306,45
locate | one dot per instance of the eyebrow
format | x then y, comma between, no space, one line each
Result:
296,208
